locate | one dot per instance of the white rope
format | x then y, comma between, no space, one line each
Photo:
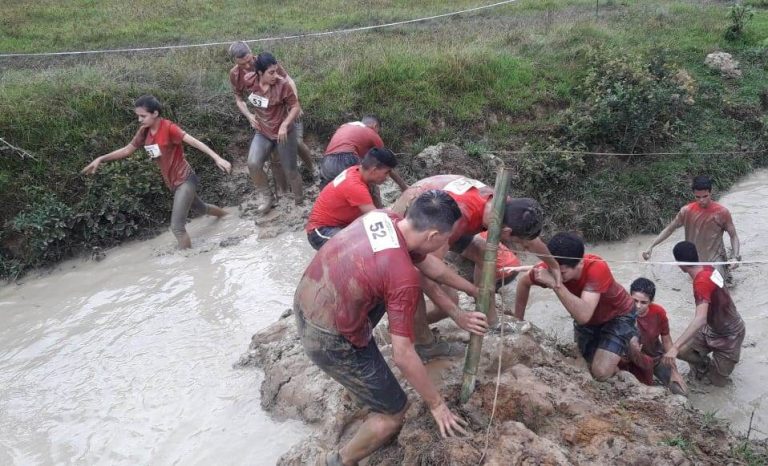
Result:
616,261
263,39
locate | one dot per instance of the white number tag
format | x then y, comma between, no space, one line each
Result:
339,179
153,151
717,279
258,101
381,232
462,185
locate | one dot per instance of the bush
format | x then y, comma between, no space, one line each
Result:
629,106
44,229
739,15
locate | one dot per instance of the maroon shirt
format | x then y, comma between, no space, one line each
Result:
597,277
354,137
346,279
166,148
722,317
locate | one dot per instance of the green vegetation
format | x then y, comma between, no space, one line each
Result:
529,76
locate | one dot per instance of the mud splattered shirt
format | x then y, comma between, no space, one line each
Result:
651,327
722,317
471,196
597,277
270,107
354,137
704,228
166,149
339,202
365,264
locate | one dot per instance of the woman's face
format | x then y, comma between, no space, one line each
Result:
269,77
146,118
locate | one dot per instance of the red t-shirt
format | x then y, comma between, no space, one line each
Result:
705,228
271,107
471,196
354,137
504,258
165,147
240,80
597,277
339,202
346,279
722,317
651,327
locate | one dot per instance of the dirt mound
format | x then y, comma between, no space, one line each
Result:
548,409
451,159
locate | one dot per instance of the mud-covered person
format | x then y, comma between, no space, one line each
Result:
522,223
603,312
163,142
241,55
654,340
348,146
276,107
369,268
348,196
716,328
704,222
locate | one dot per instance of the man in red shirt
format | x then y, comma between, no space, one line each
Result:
369,268
716,327
348,145
348,196
704,221
654,341
523,220
602,310
243,58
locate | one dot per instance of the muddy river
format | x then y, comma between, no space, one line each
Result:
129,360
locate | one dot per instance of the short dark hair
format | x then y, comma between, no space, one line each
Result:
149,103
378,157
263,61
685,251
568,249
524,216
702,183
645,286
433,209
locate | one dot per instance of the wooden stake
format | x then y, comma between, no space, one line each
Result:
487,282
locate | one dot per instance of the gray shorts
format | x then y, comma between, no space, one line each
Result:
612,336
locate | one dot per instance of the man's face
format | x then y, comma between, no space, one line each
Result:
703,197
245,63
380,175
642,301
570,273
434,241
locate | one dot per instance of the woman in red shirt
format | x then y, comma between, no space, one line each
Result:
162,141
276,107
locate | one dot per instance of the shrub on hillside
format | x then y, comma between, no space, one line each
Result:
628,105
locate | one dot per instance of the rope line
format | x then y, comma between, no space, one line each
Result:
617,261
626,154
263,39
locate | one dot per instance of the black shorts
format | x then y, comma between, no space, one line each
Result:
461,244
333,164
362,371
319,236
612,336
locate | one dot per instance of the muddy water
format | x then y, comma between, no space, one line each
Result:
129,360
747,202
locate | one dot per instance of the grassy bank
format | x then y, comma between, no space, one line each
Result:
517,77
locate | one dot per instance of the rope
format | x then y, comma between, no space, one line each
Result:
626,154
263,39
617,261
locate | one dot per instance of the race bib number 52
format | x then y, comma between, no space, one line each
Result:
381,231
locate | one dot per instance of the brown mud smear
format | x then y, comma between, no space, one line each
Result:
549,410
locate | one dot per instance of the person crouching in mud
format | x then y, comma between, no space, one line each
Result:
162,140
369,268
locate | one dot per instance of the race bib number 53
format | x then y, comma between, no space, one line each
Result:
381,231
258,101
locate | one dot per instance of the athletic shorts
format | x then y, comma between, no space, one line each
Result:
362,371
333,164
612,336
319,236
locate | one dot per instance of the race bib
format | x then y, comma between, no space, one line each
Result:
339,179
462,185
153,151
381,231
717,279
258,101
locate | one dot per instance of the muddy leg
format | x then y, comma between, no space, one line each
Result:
604,365
375,432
